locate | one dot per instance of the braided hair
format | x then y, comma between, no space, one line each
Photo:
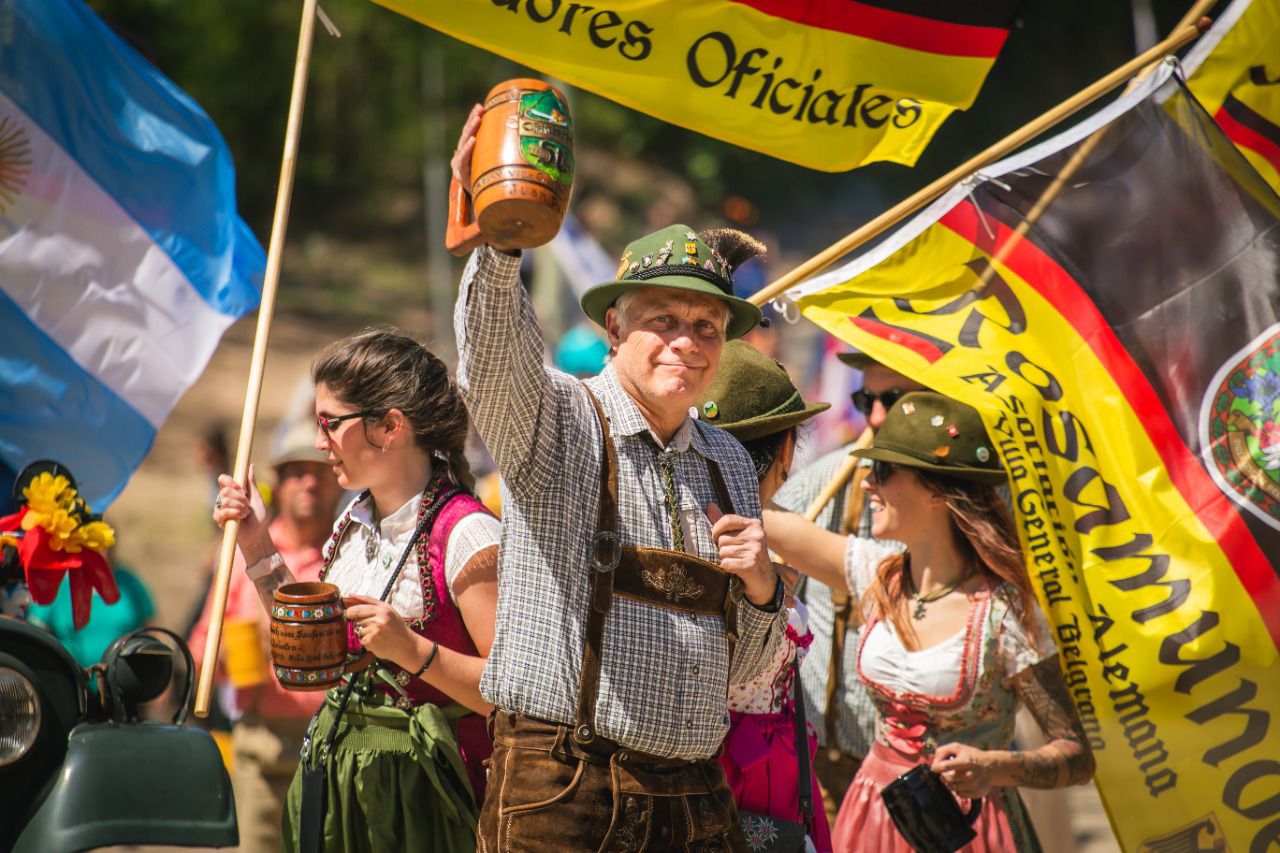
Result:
381,369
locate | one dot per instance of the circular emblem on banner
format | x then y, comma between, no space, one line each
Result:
15,161
1240,427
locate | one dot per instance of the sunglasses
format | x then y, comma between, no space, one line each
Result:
328,423
881,471
864,401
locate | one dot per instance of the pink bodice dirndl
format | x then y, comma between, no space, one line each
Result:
911,726
441,621
759,759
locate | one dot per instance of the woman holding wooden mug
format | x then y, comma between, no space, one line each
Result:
392,759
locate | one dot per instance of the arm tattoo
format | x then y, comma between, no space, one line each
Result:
1033,770
1066,760
267,584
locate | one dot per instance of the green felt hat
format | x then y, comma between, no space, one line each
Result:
926,430
673,257
752,395
856,359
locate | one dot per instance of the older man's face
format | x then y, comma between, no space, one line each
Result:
667,346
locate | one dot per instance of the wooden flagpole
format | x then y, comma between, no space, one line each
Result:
1072,166
1191,25
1005,146
253,392
839,479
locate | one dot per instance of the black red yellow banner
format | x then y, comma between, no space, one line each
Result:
1124,349
831,84
1234,71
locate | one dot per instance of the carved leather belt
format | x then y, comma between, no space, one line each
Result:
670,579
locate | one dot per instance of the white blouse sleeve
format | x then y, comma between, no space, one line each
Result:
471,534
1016,648
862,556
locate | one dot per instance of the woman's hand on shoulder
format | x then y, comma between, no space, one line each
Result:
382,631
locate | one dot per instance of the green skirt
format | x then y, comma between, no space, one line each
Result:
395,780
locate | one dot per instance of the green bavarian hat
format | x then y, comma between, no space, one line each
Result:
674,257
857,359
752,395
926,430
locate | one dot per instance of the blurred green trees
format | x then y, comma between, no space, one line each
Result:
390,92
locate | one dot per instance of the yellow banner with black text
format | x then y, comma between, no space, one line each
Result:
1134,413
1234,71
830,85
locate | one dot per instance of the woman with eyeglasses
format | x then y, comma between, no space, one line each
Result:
393,759
953,639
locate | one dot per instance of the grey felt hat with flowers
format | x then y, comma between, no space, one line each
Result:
677,258
929,431
752,395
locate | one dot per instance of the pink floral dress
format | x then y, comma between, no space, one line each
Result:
759,759
972,701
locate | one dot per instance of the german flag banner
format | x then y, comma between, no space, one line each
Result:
1234,71
831,84
1123,345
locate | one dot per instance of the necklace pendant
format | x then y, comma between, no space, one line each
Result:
918,613
371,549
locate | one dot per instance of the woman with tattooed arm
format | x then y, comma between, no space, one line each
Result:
954,639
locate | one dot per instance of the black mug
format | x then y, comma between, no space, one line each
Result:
926,812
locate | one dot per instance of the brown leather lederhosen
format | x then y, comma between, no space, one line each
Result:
674,580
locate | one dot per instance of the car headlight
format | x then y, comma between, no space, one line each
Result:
19,715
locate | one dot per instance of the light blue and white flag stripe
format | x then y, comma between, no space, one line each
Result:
122,257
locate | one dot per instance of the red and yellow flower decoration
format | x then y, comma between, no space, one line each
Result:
55,533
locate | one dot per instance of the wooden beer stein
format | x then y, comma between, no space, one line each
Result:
309,637
521,171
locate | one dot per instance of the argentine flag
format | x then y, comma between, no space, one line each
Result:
122,257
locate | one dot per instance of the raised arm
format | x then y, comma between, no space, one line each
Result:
500,354
805,546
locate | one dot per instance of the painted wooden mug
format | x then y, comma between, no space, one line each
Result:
309,637
521,171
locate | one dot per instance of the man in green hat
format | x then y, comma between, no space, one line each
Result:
837,703
634,579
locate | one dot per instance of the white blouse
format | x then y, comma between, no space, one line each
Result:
355,575
768,691
935,671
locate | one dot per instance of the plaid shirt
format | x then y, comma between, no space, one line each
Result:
855,713
665,675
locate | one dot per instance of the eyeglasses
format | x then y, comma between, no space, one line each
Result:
881,471
328,423
864,401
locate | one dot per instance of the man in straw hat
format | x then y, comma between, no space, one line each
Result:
634,579
837,703
266,737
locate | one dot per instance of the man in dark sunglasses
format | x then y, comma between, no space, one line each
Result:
842,715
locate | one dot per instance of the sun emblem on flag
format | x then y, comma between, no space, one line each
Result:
1240,427
15,161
